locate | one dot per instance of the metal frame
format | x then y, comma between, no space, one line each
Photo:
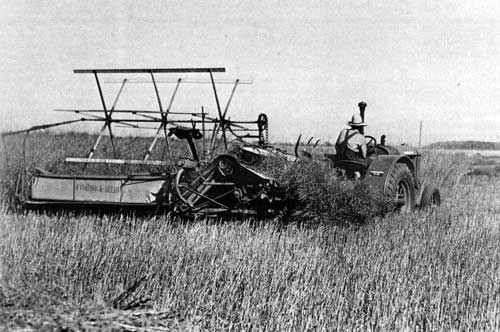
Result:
149,70
219,126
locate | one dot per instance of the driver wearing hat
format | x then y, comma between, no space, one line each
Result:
351,144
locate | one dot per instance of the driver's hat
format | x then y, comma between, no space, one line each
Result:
356,121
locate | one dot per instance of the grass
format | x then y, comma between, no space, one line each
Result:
315,194
432,270
444,170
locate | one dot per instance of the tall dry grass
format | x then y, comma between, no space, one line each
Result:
314,193
436,270
444,170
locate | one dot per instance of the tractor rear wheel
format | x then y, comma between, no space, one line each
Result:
401,187
430,197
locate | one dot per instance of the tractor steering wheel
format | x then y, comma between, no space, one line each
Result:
371,143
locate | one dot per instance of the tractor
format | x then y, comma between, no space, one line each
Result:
394,170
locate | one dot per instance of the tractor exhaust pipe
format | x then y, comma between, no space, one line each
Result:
362,107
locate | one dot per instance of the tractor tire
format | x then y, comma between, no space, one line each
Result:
401,187
430,197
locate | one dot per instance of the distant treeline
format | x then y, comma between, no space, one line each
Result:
468,145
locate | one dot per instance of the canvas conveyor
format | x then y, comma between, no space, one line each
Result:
140,190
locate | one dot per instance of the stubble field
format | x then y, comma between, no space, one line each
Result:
432,270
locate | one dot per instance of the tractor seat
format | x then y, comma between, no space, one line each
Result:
184,132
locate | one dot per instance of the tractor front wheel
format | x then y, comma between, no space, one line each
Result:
430,197
401,187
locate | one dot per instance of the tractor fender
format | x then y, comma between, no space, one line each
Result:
382,166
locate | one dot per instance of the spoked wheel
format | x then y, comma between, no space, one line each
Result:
401,187
199,193
224,186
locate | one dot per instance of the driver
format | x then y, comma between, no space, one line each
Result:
351,144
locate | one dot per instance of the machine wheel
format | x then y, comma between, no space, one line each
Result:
430,197
195,194
401,187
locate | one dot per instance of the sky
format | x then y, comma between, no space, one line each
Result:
310,62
